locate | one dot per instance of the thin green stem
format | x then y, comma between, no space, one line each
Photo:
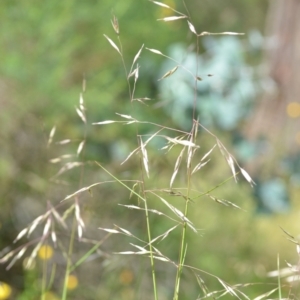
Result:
88,253
182,246
214,188
143,189
279,283
69,261
148,226
125,69
151,252
183,243
52,276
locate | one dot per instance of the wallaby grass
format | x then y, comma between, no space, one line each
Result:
169,200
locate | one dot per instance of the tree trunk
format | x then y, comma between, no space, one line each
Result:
277,115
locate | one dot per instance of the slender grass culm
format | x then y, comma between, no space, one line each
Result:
63,225
186,140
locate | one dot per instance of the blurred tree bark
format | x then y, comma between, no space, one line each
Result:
277,115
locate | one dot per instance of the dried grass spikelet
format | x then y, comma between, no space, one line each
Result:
115,25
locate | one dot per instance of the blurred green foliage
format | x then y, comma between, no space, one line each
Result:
47,50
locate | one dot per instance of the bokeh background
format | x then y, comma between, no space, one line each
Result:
251,102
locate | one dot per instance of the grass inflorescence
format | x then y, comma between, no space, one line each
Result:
62,226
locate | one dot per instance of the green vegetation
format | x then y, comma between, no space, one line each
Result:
119,201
